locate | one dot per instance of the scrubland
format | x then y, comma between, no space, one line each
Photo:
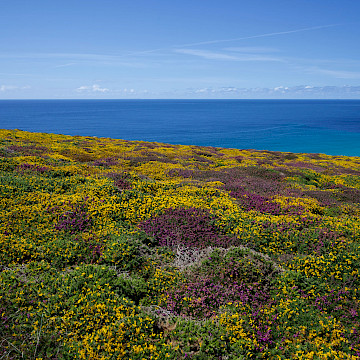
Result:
114,249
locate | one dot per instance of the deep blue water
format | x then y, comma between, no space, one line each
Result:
317,126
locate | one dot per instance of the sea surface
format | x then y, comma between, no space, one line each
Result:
309,126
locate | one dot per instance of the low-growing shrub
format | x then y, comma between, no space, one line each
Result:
188,227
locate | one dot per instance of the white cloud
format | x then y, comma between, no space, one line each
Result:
93,88
64,65
281,88
4,88
340,74
129,91
287,92
229,89
7,87
204,90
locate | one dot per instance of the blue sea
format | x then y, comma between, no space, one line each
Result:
312,126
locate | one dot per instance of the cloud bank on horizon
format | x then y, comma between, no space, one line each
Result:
229,50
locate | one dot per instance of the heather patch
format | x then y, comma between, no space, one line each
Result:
27,150
107,162
304,165
32,167
243,279
186,227
326,198
146,156
250,201
122,181
74,220
349,195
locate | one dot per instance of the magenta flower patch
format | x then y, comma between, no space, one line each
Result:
75,220
105,162
187,227
32,167
206,288
121,180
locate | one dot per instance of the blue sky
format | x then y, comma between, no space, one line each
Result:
179,49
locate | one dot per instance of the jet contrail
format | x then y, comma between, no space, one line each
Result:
234,39
143,52
258,36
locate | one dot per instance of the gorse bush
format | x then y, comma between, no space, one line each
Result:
113,249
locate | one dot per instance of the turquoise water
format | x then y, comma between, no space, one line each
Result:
316,126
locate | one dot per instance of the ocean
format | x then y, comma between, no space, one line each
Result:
304,126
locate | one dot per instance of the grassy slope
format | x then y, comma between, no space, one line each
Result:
125,249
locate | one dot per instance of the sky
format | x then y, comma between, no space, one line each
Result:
205,49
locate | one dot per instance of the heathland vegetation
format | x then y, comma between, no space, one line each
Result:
113,249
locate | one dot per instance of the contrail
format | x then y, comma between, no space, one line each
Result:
234,39
258,36
143,52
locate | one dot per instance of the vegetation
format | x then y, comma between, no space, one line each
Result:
113,249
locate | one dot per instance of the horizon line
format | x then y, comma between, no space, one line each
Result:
100,99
